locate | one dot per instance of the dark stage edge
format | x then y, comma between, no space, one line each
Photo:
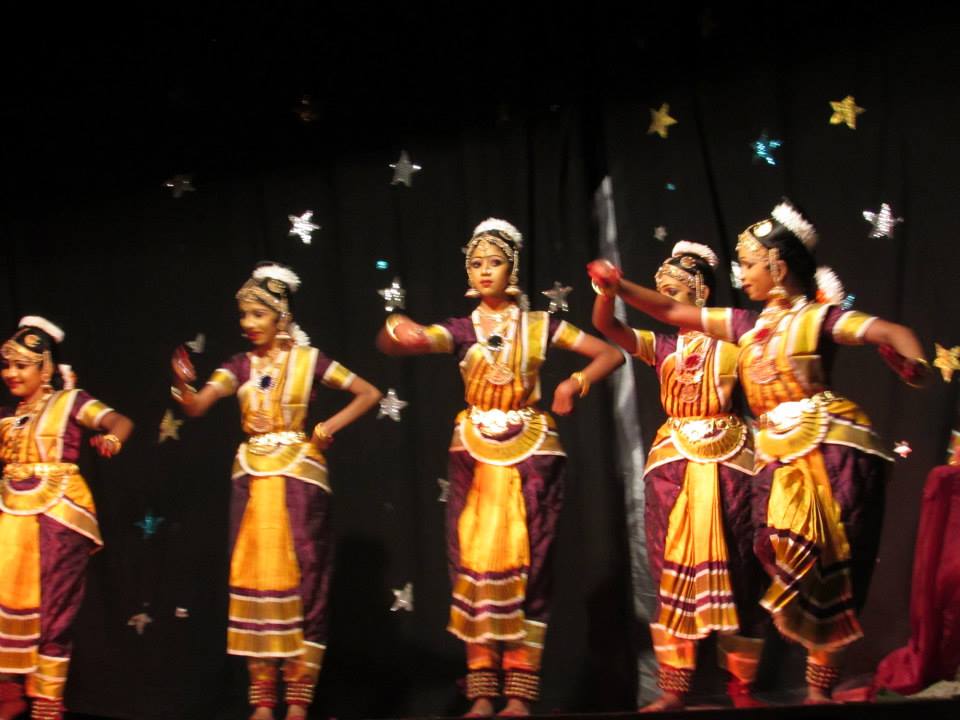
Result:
912,710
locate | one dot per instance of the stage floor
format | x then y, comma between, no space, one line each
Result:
895,710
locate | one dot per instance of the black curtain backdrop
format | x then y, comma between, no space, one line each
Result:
517,113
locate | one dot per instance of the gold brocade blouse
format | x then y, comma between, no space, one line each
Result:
698,377
274,412
784,380
501,381
39,452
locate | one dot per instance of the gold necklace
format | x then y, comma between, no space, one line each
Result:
690,363
267,368
763,369
496,345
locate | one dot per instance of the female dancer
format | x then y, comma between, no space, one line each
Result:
698,491
506,466
280,537
48,522
819,490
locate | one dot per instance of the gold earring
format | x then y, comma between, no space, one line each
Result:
472,292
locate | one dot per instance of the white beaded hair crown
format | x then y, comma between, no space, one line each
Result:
41,323
501,226
685,247
792,219
278,272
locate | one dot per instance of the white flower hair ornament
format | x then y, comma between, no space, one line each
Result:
54,331
791,218
685,247
830,289
502,226
278,272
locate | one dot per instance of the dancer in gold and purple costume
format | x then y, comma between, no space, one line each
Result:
282,552
506,466
698,483
819,490
48,521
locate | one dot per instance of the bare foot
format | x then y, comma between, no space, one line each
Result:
817,696
515,707
296,712
482,707
262,713
667,701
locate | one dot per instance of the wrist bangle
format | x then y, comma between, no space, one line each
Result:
391,326
606,292
582,381
113,440
321,434
183,397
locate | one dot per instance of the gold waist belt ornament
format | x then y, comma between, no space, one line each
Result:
712,439
25,471
496,423
51,485
794,428
268,442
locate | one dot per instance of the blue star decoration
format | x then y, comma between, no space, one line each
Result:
763,148
150,524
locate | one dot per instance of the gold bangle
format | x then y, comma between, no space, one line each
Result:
606,292
391,326
181,397
582,381
321,434
113,440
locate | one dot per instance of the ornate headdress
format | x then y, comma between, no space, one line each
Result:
685,269
784,215
33,342
272,285
787,216
506,237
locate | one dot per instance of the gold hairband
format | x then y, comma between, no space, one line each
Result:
686,273
252,292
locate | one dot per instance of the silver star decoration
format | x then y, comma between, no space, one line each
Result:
180,184
139,622
403,170
391,405
660,233
444,489
403,599
198,344
558,297
303,226
394,297
883,222
736,275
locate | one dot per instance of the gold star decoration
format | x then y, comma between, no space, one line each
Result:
660,120
169,427
845,111
947,361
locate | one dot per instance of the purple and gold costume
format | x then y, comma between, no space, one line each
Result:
699,534
506,469
48,530
279,532
820,489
